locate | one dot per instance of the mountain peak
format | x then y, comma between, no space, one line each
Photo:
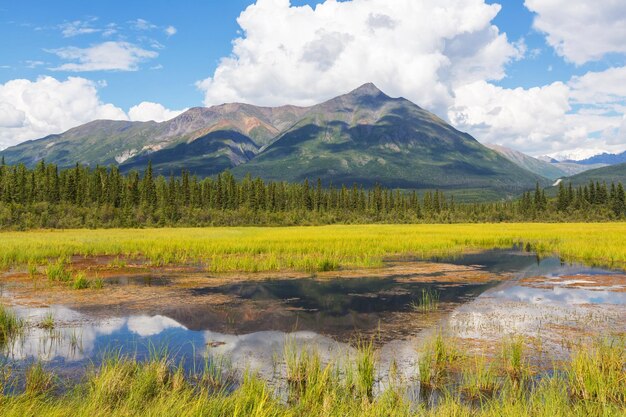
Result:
367,89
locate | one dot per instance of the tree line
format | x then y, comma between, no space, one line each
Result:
46,197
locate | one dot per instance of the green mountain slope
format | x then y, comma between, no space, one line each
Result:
608,174
539,167
367,137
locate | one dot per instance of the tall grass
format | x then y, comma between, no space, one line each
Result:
10,325
122,386
428,302
311,248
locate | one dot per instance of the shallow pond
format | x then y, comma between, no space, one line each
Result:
254,319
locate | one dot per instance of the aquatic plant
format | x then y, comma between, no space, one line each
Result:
428,302
47,322
10,325
478,377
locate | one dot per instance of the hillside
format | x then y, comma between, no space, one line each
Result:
539,167
608,174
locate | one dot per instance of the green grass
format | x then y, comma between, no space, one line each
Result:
80,282
317,248
122,386
57,271
10,325
47,322
428,302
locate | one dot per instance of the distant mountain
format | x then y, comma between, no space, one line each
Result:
605,158
570,167
573,168
539,167
612,173
364,136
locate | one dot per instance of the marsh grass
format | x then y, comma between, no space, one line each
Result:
123,386
428,301
436,360
80,281
479,378
10,325
57,271
514,361
37,381
47,322
599,373
319,248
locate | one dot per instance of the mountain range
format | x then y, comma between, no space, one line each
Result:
605,158
363,137
545,166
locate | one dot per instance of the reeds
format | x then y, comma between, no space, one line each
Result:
428,302
10,325
591,384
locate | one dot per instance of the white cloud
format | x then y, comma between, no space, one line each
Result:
146,110
33,109
170,31
582,117
581,30
526,119
106,56
10,116
142,24
300,55
78,27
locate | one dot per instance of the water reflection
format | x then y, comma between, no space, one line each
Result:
268,316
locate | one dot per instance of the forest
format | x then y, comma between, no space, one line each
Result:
47,197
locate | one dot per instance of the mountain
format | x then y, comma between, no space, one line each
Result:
207,140
364,136
612,173
538,166
605,158
570,167
573,168
367,137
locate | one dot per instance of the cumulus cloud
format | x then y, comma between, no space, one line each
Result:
580,118
33,109
302,55
146,111
529,119
106,56
580,30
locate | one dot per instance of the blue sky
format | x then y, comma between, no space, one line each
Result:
535,75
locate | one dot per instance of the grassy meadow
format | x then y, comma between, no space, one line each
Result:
313,248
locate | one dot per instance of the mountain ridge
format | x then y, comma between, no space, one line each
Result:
363,136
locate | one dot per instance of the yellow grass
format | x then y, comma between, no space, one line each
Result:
252,249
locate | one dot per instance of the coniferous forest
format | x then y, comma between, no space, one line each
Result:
46,197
